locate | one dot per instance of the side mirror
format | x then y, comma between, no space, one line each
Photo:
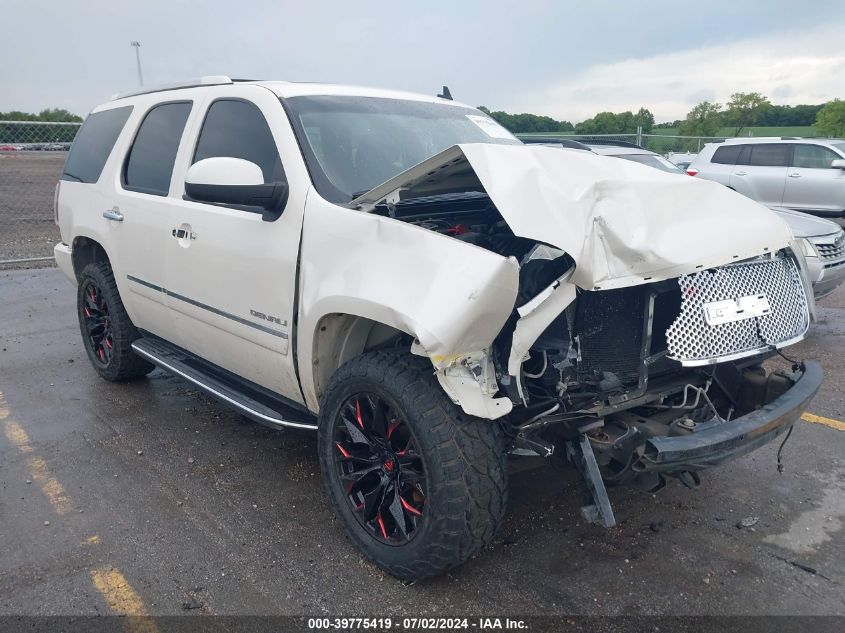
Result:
226,180
839,163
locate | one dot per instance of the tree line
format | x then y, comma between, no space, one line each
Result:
53,115
742,110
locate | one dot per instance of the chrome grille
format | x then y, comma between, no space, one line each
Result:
831,249
692,341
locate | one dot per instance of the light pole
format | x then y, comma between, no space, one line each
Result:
137,46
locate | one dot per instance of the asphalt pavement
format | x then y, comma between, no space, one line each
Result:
151,498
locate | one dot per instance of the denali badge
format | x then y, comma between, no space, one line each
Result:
727,311
267,317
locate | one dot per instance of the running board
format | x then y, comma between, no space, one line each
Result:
253,401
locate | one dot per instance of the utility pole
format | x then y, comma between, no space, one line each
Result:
137,46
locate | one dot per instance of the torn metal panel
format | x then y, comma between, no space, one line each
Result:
535,318
623,223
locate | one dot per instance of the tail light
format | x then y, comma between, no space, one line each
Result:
691,171
56,202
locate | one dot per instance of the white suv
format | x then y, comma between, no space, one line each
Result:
805,175
789,176
399,274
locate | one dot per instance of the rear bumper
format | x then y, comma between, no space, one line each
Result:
712,444
64,260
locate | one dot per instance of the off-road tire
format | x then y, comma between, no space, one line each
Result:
123,364
464,458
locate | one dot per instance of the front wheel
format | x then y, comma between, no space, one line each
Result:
419,486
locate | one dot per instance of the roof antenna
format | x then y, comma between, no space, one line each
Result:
446,94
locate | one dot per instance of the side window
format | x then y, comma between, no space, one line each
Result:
93,144
238,129
812,156
770,155
726,155
149,164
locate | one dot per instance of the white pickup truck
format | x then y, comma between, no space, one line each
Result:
399,274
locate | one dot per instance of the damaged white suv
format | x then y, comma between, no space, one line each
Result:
401,275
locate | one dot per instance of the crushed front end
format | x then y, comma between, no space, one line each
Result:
666,378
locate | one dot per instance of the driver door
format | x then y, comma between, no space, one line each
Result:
231,274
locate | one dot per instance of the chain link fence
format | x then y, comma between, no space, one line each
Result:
31,157
32,154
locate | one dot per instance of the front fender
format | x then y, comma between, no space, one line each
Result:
453,297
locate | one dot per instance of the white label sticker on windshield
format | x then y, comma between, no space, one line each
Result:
489,126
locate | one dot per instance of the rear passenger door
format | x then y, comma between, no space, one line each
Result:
760,172
721,164
231,274
811,184
140,226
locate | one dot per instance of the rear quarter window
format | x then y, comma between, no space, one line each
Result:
726,155
93,144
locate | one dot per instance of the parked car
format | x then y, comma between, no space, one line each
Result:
681,159
402,276
823,245
552,141
637,155
821,241
806,175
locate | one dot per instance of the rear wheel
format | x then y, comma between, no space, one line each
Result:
107,331
419,486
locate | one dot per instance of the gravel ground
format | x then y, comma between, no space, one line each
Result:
153,489
27,183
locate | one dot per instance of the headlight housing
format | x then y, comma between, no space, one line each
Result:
806,247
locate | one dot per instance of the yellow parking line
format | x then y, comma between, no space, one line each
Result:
14,431
50,486
117,592
36,466
817,419
123,599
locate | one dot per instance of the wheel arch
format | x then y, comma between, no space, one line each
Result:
86,250
338,338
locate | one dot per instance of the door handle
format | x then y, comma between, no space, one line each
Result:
740,173
113,214
182,233
795,175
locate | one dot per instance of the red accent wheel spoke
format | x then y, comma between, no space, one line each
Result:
409,507
379,468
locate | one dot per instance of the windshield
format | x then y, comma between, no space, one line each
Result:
352,144
658,162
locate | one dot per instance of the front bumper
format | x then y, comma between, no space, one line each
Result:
831,278
714,443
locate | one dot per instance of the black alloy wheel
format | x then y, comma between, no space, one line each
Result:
381,469
97,321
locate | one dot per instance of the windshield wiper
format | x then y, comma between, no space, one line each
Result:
76,178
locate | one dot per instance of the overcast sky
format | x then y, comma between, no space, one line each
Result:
565,59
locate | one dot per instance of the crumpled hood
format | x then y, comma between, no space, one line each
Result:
623,223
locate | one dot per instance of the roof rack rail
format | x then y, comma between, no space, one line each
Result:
208,80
